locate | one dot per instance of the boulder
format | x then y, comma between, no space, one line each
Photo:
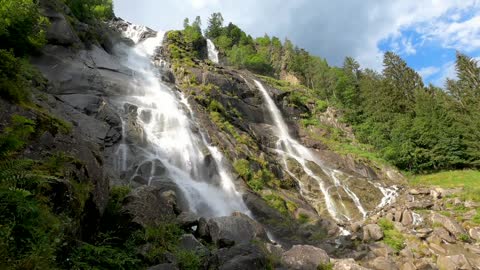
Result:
149,206
408,266
475,233
383,263
303,257
381,249
423,233
372,232
239,257
187,220
454,262
347,264
407,218
190,243
449,224
443,234
237,229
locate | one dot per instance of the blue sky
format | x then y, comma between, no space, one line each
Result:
426,33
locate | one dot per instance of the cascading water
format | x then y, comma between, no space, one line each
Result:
212,51
170,148
332,183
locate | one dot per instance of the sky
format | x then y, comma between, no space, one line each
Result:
426,33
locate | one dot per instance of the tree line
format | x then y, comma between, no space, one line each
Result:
415,127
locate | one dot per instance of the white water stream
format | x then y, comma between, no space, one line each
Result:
330,182
212,51
174,147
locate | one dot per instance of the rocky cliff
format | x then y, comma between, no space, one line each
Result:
287,223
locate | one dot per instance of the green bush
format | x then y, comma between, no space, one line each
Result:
88,256
15,136
242,167
87,10
13,85
22,28
392,237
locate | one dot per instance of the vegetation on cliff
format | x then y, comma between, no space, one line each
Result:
415,127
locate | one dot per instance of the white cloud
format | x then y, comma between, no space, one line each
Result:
330,29
447,71
427,72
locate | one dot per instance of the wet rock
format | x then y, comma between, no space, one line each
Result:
372,232
303,257
239,257
237,228
59,31
347,264
187,220
475,233
383,263
454,262
449,224
149,206
190,243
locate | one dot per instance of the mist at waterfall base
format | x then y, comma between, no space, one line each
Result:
330,181
172,149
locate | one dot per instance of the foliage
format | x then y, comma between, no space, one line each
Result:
13,84
391,237
277,202
15,136
22,28
88,10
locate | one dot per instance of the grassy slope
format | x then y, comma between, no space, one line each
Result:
468,179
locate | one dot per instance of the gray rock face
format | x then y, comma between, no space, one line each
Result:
240,257
302,257
372,232
235,229
190,243
449,224
149,206
455,262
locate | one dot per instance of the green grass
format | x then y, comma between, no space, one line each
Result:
468,179
392,237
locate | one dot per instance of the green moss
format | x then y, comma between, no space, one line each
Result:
277,202
303,218
188,260
242,167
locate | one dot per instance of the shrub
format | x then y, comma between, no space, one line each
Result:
87,10
12,83
22,28
392,237
88,256
242,167
15,136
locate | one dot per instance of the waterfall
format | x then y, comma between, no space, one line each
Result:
173,150
331,183
212,51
